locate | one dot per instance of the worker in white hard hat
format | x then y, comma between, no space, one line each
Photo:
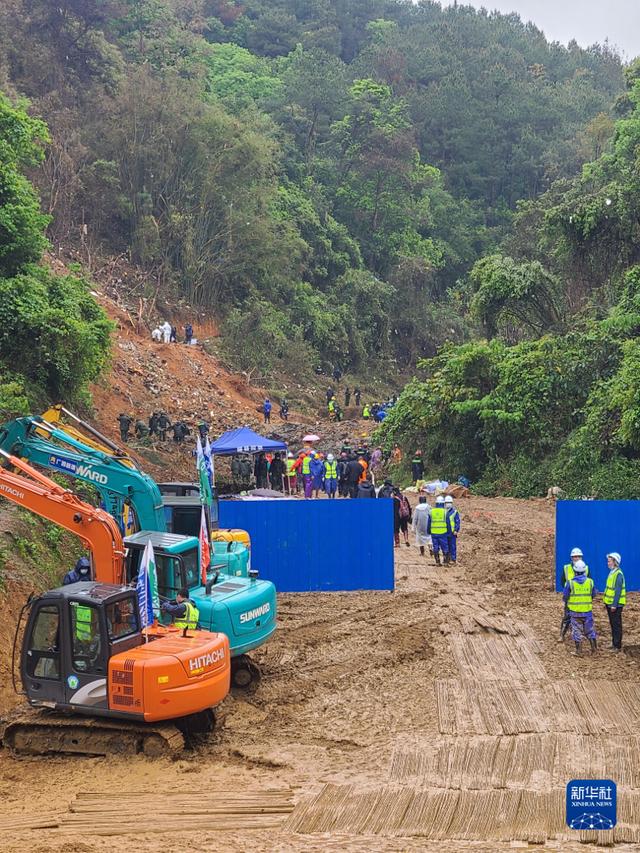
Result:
567,574
330,475
453,518
578,596
615,598
439,530
291,476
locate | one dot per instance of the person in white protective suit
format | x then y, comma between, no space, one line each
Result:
420,520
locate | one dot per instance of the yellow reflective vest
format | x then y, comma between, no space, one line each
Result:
610,588
83,623
190,618
331,470
569,573
439,524
580,597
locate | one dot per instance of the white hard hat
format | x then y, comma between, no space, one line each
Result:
576,552
330,457
448,499
615,556
439,499
580,567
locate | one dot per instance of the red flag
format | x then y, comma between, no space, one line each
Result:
205,550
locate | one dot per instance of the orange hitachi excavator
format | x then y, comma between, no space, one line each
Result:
84,651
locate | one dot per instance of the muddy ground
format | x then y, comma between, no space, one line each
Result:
444,715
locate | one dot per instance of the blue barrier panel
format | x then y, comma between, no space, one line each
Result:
319,545
597,528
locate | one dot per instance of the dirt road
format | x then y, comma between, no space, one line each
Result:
442,716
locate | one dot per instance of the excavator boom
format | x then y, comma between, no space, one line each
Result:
95,439
118,484
96,528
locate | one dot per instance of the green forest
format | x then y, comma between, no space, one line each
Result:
389,187
548,390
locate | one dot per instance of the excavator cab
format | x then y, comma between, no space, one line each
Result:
177,560
182,508
71,635
115,688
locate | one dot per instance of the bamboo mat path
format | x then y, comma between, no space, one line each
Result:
535,761
508,708
496,657
532,817
136,812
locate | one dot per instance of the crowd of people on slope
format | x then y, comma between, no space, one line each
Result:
157,426
309,473
349,474
579,592
376,411
168,334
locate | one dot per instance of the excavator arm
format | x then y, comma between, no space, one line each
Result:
97,530
44,444
85,434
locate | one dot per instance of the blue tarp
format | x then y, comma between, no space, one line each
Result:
244,440
318,546
597,528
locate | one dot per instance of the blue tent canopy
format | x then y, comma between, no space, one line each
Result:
244,440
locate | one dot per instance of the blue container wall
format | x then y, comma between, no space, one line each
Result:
321,545
597,528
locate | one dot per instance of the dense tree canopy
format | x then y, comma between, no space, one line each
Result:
54,338
559,408
329,170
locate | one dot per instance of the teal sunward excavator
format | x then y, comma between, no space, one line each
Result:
236,603
181,501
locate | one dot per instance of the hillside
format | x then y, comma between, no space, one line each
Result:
547,392
320,177
192,384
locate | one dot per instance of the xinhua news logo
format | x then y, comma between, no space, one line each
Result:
591,804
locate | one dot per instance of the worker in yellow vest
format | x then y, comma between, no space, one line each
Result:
83,622
182,610
578,596
330,476
567,575
439,528
292,477
615,598
307,476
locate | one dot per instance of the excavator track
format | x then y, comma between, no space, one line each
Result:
35,732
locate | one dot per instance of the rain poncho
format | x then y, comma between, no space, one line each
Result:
420,519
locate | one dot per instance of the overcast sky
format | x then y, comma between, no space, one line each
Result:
587,21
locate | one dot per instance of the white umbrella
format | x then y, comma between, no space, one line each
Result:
311,437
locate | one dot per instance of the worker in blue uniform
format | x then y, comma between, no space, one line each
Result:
439,530
453,518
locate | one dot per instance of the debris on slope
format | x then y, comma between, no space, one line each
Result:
189,384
